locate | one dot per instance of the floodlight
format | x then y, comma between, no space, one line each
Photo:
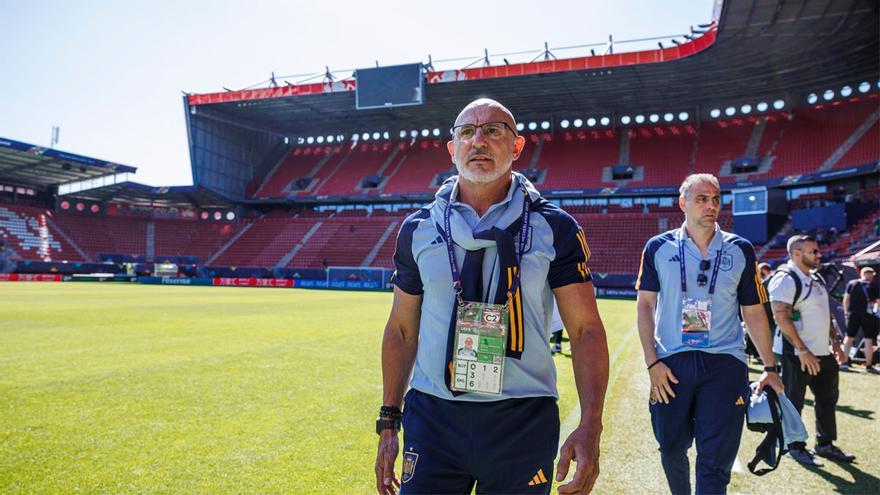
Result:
230,216
845,91
640,119
320,140
426,133
310,140
520,126
604,121
654,118
828,94
533,126
729,111
564,124
330,138
365,136
683,116
590,122
413,133
402,134
864,87
376,135
625,120
715,113
545,125
778,104
436,132
668,117
812,98
580,122
746,109
762,107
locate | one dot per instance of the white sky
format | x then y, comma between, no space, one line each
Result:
110,73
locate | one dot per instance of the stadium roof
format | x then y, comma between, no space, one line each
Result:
760,49
145,195
24,163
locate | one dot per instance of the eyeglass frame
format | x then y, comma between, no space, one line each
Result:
480,126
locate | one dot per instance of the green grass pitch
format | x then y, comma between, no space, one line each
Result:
116,388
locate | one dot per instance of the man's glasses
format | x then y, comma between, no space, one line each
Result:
492,130
702,278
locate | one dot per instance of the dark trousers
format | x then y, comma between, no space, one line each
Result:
826,391
709,406
503,447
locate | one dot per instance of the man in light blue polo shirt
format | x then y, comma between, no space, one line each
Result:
484,262
692,284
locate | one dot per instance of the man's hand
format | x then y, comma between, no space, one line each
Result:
770,380
387,482
582,446
809,362
839,355
661,388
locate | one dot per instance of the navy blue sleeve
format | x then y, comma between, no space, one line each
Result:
750,290
572,253
406,271
648,279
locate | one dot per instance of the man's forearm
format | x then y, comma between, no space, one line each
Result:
645,322
786,325
759,331
589,356
398,356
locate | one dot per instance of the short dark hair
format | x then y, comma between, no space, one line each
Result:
796,241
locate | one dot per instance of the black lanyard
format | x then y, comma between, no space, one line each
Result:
684,287
523,239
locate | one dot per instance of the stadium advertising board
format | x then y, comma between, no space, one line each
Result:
29,277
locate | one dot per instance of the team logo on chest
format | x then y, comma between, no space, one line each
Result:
726,262
409,466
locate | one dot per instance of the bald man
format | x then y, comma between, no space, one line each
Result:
486,258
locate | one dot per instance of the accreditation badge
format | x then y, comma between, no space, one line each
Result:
480,339
696,321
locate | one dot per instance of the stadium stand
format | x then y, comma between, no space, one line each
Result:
422,161
29,234
578,158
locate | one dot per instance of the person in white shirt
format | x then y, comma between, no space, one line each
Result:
809,343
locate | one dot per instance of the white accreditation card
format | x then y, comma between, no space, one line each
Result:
480,340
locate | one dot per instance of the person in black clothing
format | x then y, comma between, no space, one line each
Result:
858,303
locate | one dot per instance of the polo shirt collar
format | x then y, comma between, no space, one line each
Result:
714,244
793,266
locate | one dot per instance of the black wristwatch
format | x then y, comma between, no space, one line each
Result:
773,369
389,419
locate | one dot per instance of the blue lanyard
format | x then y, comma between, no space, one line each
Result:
523,239
684,287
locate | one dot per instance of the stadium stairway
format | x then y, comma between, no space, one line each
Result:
371,256
210,260
855,138
290,254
